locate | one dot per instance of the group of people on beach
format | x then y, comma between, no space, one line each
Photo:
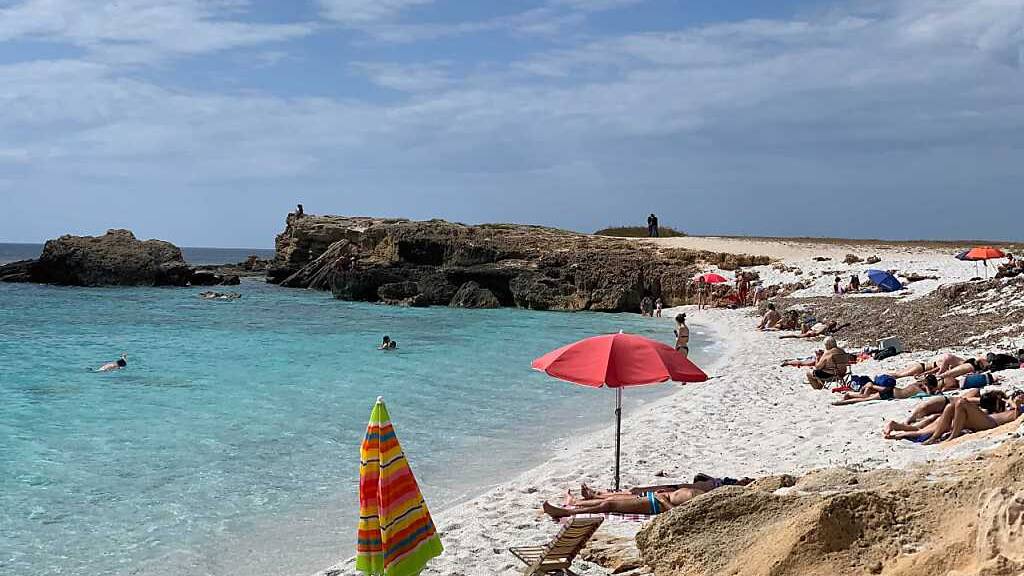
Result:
939,417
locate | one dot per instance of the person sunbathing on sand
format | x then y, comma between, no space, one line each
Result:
940,363
645,500
115,365
804,362
771,319
884,388
816,331
959,415
954,370
977,380
935,405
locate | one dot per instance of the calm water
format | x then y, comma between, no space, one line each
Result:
193,255
230,443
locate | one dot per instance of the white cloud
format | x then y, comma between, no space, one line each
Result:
137,30
920,94
362,11
422,77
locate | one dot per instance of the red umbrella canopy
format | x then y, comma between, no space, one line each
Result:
713,278
984,253
617,360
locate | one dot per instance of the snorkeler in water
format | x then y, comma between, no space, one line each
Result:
115,365
387,343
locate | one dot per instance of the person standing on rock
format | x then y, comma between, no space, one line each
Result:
657,307
299,213
652,226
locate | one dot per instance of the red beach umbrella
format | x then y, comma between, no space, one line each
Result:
617,361
984,253
713,278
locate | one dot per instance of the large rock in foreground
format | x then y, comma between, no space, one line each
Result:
115,259
959,518
447,264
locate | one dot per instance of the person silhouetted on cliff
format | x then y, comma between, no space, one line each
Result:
652,225
299,212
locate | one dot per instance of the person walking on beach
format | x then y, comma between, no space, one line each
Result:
682,333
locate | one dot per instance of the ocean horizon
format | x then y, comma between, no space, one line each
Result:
230,443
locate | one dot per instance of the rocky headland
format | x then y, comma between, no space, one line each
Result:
117,258
441,263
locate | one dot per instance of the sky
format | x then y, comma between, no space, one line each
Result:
204,122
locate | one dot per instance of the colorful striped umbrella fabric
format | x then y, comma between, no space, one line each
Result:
396,534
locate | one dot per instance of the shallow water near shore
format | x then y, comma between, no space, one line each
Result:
230,443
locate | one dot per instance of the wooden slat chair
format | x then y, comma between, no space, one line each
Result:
557,556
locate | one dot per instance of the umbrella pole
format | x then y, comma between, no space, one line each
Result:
618,432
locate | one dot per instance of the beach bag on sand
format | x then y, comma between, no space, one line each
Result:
977,381
884,353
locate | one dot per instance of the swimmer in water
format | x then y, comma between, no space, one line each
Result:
116,365
387,343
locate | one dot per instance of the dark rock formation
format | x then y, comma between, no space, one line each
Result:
115,259
20,271
442,263
472,295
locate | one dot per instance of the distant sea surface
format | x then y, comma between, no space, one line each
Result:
193,255
230,443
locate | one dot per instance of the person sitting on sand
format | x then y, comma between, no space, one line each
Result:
832,364
854,285
883,387
770,319
115,365
643,500
682,332
817,330
387,343
961,415
790,321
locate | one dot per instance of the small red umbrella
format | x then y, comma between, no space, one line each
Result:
616,361
713,278
984,253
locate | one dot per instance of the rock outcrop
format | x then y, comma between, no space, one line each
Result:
115,259
447,264
962,518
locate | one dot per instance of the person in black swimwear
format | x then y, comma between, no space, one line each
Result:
115,365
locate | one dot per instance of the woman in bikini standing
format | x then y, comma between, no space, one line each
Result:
682,333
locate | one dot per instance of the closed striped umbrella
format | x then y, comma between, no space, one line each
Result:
396,534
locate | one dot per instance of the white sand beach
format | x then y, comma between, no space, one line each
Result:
753,418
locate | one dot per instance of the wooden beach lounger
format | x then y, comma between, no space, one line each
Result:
557,556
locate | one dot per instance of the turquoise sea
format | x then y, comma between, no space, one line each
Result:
229,445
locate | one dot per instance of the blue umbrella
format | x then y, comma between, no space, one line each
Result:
887,282
962,255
